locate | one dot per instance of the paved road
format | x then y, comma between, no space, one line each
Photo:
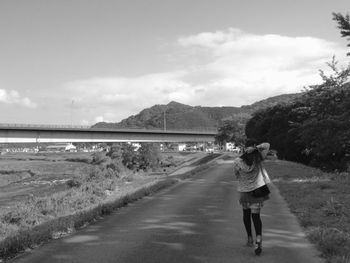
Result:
198,220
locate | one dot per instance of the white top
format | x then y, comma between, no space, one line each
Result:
254,176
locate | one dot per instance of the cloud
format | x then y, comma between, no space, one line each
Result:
13,97
229,67
116,98
211,39
248,67
100,119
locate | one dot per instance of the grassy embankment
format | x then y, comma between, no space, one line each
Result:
83,198
321,203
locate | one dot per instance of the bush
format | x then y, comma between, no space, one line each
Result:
129,156
74,183
330,241
94,191
81,160
26,214
116,151
95,174
110,173
7,229
116,165
98,158
149,156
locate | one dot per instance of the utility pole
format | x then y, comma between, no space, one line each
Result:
164,119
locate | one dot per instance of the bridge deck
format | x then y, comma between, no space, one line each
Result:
55,133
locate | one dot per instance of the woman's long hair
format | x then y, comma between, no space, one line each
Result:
251,158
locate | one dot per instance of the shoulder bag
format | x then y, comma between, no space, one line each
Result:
264,190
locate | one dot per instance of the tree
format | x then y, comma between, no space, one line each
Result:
327,130
116,151
230,131
343,25
314,129
336,78
278,125
98,158
129,156
149,156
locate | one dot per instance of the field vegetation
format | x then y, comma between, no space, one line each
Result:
49,195
320,200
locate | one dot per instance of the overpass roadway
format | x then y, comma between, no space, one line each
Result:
40,133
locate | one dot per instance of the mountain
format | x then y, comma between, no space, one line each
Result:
181,116
272,101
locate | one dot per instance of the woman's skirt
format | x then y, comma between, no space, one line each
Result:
247,200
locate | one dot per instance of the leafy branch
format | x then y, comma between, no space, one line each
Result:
343,25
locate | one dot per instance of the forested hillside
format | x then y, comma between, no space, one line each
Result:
181,116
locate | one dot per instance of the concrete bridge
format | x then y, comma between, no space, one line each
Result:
22,133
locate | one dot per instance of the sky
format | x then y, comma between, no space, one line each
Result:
78,62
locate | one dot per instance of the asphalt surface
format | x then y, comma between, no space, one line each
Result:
198,220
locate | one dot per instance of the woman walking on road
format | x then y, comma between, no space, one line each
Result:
252,179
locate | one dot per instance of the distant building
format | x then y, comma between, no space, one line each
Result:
136,146
61,147
181,147
231,147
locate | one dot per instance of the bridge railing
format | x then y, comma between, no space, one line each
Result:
54,126
199,129
22,125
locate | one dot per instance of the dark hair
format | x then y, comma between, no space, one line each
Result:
250,142
251,158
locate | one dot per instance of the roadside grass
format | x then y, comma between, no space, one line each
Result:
91,196
321,203
31,237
